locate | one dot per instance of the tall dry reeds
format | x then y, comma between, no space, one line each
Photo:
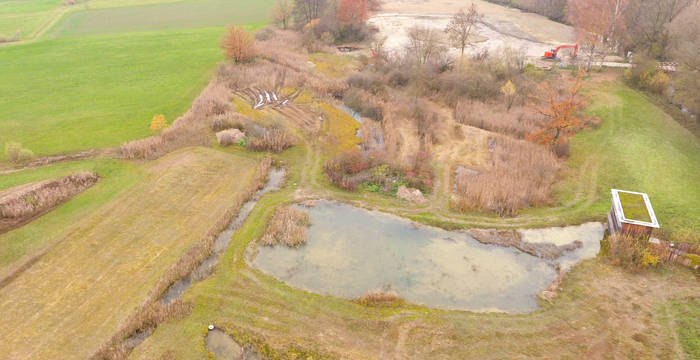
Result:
287,227
521,175
275,139
24,202
517,122
151,313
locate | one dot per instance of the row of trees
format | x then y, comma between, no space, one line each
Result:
302,12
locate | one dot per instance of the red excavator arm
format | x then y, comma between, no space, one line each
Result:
552,54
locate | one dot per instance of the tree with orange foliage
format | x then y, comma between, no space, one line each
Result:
238,44
561,118
352,12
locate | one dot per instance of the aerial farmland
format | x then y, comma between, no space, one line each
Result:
349,179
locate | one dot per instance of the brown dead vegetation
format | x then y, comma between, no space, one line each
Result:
21,204
151,313
521,175
518,122
287,227
380,298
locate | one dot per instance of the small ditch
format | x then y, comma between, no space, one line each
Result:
207,266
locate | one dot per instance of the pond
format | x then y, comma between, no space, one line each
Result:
352,251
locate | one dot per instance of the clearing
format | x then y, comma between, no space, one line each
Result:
107,263
500,26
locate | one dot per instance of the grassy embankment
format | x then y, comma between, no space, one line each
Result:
53,103
640,148
105,264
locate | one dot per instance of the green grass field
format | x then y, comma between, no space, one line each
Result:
66,95
162,16
26,16
640,148
69,94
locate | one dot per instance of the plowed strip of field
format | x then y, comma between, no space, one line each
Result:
75,296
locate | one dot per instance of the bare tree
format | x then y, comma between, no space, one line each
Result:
684,33
424,44
461,27
307,10
282,12
597,23
646,21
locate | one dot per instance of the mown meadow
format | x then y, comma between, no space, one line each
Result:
83,91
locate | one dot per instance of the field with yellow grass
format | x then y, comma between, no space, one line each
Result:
102,267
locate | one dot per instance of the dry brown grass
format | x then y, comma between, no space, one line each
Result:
229,137
20,204
380,298
275,139
517,122
521,175
229,120
287,226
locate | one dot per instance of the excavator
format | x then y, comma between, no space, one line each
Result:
552,54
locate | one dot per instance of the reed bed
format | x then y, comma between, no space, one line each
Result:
287,227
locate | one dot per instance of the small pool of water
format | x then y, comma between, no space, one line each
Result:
351,251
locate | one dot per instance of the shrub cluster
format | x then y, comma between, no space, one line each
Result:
227,121
362,102
353,169
16,153
632,252
645,75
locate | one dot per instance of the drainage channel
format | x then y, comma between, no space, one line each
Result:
207,266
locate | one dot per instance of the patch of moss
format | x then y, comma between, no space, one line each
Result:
340,129
244,108
634,207
331,65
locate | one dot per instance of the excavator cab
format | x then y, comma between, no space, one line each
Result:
552,54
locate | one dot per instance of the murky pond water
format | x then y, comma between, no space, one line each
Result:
351,251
